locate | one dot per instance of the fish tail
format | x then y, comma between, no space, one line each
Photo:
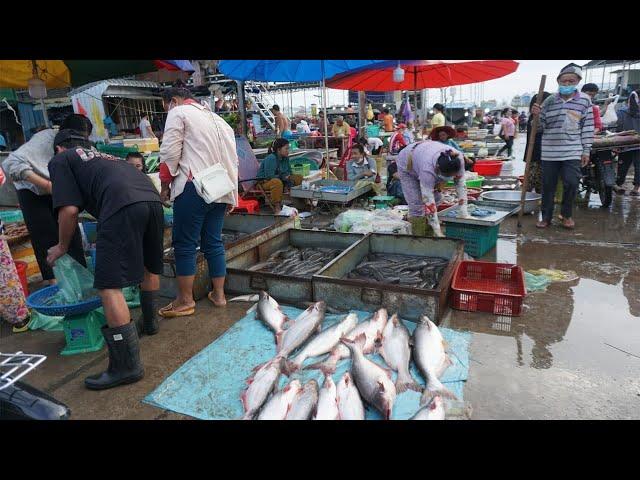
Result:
327,366
431,391
406,382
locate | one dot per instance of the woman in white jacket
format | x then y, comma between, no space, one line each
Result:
194,139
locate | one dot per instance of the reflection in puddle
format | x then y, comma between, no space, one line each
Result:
570,322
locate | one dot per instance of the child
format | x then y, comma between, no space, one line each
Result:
137,160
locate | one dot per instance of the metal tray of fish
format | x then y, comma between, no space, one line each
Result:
332,284
315,194
243,278
492,220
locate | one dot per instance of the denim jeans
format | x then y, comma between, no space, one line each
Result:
196,222
569,171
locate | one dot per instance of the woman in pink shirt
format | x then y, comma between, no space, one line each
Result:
507,133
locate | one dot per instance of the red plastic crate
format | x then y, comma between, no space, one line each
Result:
249,206
497,288
489,168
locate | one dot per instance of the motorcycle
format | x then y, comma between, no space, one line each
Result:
21,401
599,177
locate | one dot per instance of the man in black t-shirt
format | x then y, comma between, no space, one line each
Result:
128,247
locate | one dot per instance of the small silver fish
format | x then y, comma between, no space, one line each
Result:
373,381
280,403
322,343
327,401
430,357
372,328
300,329
270,313
396,352
305,403
350,404
260,385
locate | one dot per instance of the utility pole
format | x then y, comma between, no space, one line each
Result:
362,108
242,127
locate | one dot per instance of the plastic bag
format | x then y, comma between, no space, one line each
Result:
75,281
344,221
610,116
536,283
496,129
288,211
45,322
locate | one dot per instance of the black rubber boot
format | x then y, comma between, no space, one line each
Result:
124,359
150,320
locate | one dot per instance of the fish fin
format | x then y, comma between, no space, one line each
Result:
253,309
429,394
243,398
258,367
406,382
381,385
290,367
360,340
327,366
389,373
287,323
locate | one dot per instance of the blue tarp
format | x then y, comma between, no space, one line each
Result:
208,386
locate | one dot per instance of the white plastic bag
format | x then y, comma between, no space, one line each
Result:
610,116
496,129
287,211
346,220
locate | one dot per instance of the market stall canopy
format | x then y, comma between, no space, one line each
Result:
420,74
289,70
65,73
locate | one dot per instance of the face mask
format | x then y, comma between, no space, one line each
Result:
567,89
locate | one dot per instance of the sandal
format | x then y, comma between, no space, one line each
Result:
543,224
214,302
568,223
170,312
22,326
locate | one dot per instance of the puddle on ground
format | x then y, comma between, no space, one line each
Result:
569,325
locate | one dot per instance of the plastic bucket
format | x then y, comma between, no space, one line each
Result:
21,267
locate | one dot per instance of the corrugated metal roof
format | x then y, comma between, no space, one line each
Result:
121,82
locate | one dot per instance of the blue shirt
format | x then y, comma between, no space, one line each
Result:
354,169
274,167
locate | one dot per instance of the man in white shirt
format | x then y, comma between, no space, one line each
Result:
374,145
145,127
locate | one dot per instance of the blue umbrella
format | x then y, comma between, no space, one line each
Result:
293,71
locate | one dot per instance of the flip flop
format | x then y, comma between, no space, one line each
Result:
214,302
21,329
543,224
571,226
169,312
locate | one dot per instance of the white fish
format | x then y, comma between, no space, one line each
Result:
434,410
280,403
261,384
372,329
374,382
327,401
396,352
300,329
270,313
305,403
430,357
246,298
350,404
322,343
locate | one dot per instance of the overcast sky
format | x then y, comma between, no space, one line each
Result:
525,79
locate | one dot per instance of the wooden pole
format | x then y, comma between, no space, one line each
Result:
527,159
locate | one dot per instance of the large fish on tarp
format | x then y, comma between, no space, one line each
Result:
396,352
327,401
280,403
371,328
305,403
260,385
433,410
431,358
350,406
322,343
374,382
300,329
270,313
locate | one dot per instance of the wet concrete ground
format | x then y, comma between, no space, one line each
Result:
574,353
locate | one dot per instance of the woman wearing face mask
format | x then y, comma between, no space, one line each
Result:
421,167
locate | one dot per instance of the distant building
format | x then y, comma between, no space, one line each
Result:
490,104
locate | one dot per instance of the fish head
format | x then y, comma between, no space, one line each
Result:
426,321
320,307
436,403
328,381
355,345
346,381
387,397
380,318
311,387
293,388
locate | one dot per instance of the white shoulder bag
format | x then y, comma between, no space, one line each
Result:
213,182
